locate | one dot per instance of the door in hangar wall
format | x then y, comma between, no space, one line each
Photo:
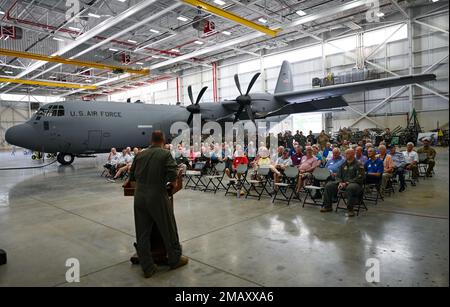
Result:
94,139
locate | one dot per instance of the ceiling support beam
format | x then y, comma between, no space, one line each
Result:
101,27
231,16
58,59
47,83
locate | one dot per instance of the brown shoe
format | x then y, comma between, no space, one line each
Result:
181,262
326,209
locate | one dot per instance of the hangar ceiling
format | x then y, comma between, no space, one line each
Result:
165,37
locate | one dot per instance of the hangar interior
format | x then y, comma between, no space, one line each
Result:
151,51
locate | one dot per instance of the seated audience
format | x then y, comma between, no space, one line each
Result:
359,155
374,167
113,160
297,156
388,167
431,156
349,178
307,166
412,161
399,166
281,164
240,158
335,162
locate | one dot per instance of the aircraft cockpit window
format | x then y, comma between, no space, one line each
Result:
55,110
61,111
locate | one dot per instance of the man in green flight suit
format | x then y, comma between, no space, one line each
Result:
152,169
431,155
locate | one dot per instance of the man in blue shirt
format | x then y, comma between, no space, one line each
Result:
335,162
327,150
374,167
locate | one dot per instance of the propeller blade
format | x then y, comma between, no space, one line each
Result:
189,121
200,95
250,114
238,114
191,96
238,84
252,83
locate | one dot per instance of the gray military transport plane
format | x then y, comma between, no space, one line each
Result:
78,129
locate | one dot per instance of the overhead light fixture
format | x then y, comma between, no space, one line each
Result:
262,20
122,0
2,13
175,50
132,41
301,13
198,42
88,81
154,31
93,15
182,18
380,14
435,0
113,50
74,29
8,72
52,77
139,63
228,33
58,39
220,2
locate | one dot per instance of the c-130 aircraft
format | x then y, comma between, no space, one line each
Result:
74,128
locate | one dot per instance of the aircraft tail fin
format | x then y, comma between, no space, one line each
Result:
285,82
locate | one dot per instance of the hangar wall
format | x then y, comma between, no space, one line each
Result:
399,56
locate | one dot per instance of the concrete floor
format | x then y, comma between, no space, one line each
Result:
52,214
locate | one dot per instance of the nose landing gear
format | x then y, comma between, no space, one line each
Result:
65,158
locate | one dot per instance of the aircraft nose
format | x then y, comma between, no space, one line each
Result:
20,135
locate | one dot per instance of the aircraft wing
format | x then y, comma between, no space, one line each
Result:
318,105
305,96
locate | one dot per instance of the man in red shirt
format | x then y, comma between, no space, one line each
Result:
239,159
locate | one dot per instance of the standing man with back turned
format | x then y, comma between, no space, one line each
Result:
152,169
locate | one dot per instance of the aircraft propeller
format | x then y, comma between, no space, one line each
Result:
194,108
245,101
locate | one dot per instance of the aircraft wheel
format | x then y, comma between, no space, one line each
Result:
65,159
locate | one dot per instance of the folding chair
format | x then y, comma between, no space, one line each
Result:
238,181
291,177
390,189
194,177
216,178
423,165
263,173
342,198
321,175
372,190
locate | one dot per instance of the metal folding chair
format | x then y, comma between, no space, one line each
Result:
372,190
342,198
238,181
263,174
321,175
423,165
216,178
194,177
290,178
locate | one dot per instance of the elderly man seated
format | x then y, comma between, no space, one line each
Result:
307,166
374,167
281,164
399,166
431,156
412,161
297,156
359,155
349,178
113,160
335,162
388,164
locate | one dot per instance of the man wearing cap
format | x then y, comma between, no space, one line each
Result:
431,155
